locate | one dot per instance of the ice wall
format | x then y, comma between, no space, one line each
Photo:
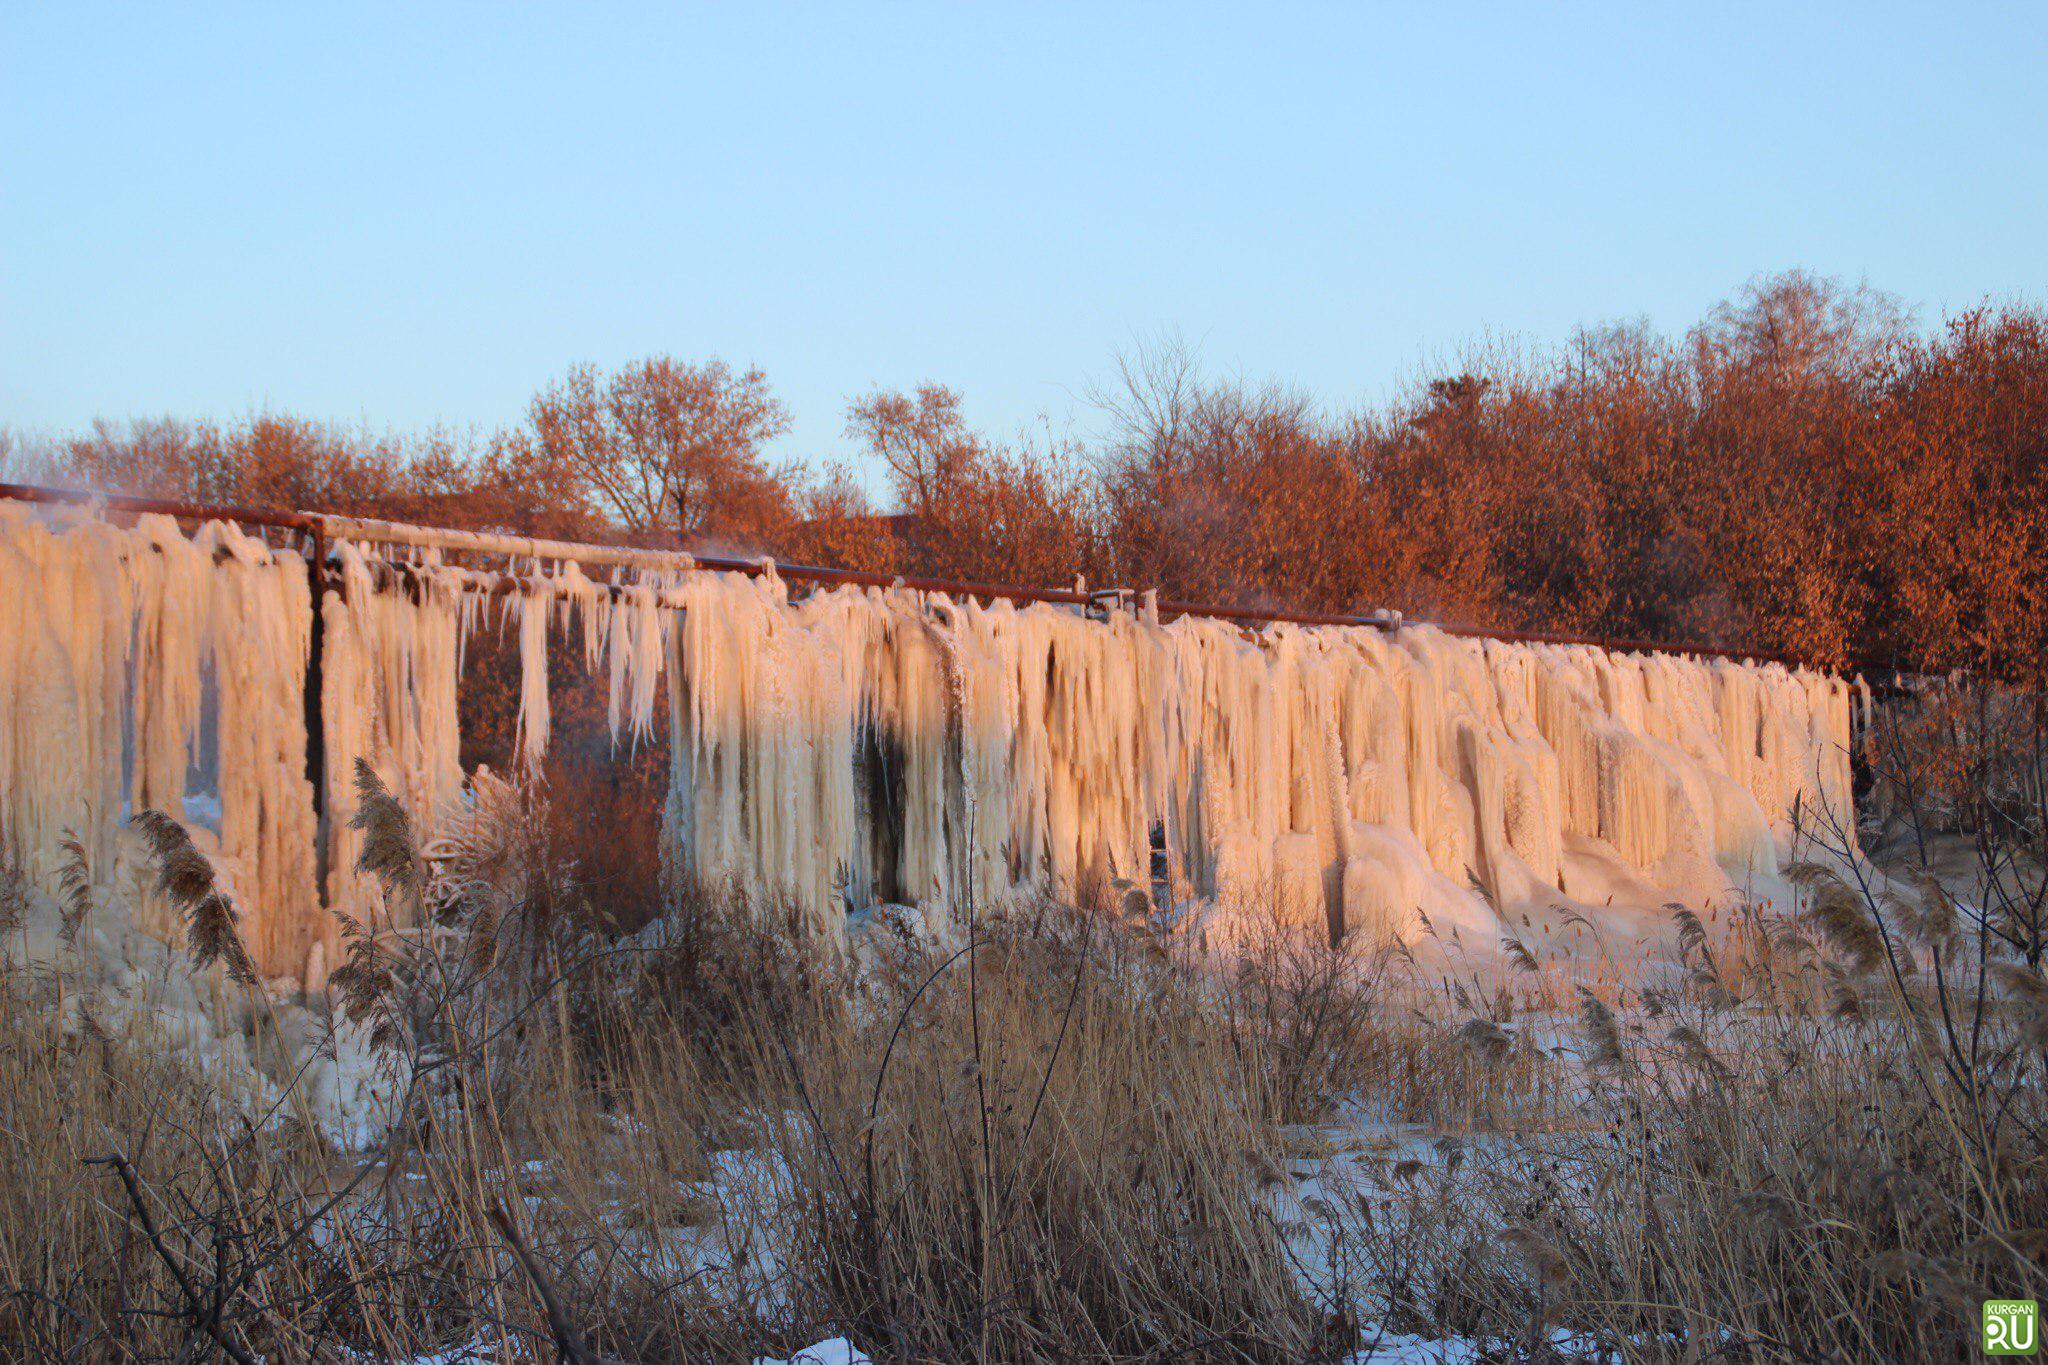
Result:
114,646
861,745
841,748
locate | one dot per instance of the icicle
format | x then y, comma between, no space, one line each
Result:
582,598
261,619
66,597
634,651
172,579
392,664
531,731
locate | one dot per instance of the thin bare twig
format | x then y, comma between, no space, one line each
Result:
203,1318
568,1340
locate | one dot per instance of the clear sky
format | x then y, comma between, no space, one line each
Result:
420,214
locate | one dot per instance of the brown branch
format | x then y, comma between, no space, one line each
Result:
568,1341
203,1318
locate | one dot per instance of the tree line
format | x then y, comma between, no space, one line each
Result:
1803,470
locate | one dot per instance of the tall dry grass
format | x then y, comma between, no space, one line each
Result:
704,1141
1044,1144
1067,1136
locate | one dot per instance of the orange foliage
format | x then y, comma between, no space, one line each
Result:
1802,472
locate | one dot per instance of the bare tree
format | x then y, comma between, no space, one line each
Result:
664,444
25,457
1798,324
1151,403
923,440
160,456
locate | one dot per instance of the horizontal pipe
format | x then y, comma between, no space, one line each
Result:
1537,637
811,573
495,542
188,511
333,527
384,577
1169,610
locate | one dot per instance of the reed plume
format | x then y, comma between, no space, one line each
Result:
2029,994
1927,914
1537,1252
1692,935
1603,1035
13,895
366,981
1518,954
1697,1052
1487,1039
389,853
1840,915
74,887
186,879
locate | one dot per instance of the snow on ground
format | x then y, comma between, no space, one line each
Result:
1394,1348
838,1351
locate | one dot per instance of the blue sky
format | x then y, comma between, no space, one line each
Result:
415,215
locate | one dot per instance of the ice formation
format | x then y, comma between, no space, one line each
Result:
861,745
133,661
864,745
392,640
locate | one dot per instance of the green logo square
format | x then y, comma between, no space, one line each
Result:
2012,1327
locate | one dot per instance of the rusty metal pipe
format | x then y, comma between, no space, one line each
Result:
188,511
810,573
1537,637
